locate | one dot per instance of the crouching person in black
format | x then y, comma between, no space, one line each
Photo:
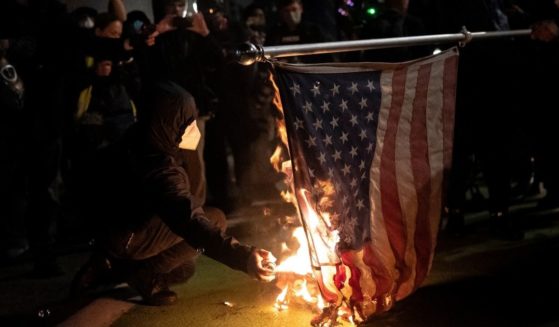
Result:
151,228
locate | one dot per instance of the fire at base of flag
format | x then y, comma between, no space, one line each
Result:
370,145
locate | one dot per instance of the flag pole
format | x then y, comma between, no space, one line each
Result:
249,53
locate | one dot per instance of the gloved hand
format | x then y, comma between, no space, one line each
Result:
261,265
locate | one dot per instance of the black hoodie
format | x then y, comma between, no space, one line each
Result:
143,179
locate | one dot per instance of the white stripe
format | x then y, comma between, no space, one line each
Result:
379,238
405,179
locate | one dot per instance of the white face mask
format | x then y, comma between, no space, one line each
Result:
87,23
191,137
295,16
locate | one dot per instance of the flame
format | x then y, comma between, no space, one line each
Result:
280,122
302,291
275,159
299,263
320,303
281,303
294,272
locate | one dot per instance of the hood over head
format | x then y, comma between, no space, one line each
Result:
170,109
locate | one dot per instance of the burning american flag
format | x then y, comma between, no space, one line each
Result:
370,144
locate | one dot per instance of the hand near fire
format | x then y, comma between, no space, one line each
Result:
261,265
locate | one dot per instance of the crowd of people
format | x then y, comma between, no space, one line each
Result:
124,124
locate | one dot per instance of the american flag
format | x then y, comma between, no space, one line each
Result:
370,144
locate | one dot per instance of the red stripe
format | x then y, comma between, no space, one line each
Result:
348,260
391,210
340,276
421,174
381,275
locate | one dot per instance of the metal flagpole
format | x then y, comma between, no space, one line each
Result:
248,53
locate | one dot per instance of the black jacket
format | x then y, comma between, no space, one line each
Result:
142,178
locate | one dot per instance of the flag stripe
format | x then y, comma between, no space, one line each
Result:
383,277
419,144
389,189
436,155
379,256
449,100
405,180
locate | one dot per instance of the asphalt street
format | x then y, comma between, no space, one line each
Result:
476,280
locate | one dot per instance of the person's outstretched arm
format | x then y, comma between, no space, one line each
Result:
171,200
118,8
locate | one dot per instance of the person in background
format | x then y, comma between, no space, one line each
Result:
13,242
185,52
245,114
35,38
108,25
545,33
117,8
254,20
483,130
292,28
103,113
394,20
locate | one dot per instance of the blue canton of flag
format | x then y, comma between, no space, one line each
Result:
335,125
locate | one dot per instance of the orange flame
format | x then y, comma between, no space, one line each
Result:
295,276
281,303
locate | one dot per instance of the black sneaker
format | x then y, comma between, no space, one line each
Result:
152,288
96,272
181,274
162,297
